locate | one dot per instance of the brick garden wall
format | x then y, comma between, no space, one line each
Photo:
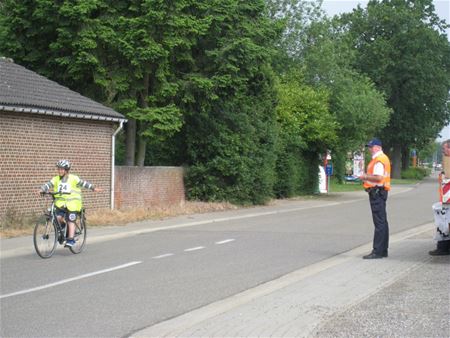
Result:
148,186
30,146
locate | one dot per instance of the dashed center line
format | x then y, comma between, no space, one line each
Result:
163,256
225,241
194,249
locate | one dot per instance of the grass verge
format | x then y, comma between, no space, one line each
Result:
404,181
343,187
357,186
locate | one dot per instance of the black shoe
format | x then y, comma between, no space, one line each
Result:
438,252
373,255
384,254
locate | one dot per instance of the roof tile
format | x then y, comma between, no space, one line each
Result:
24,89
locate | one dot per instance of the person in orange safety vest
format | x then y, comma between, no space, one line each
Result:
377,182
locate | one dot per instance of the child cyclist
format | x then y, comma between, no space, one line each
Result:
69,202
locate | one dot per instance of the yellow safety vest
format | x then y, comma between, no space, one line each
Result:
73,200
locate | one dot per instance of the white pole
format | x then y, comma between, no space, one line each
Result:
113,158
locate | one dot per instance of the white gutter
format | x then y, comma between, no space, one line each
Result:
113,158
76,115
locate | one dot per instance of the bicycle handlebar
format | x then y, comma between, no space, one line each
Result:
52,193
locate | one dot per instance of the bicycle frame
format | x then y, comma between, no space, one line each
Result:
62,231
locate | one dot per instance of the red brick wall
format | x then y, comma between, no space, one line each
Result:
148,186
30,146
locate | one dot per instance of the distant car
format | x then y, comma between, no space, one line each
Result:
351,178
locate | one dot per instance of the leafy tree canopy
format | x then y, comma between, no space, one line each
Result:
304,116
358,108
402,47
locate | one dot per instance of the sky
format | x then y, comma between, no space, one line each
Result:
333,7
442,7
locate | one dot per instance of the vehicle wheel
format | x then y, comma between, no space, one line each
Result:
80,235
44,238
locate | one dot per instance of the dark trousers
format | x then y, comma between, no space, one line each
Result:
378,198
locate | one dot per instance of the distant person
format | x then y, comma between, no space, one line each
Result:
377,182
69,201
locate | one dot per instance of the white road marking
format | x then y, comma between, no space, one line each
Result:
69,280
163,256
226,241
194,249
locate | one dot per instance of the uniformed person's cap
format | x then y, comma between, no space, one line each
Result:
374,142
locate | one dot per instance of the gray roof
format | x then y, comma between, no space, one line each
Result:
22,90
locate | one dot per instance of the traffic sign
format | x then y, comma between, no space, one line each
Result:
329,169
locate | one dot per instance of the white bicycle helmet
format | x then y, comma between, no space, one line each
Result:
63,164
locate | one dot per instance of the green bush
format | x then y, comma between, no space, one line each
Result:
306,129
297,174
232,151
415,173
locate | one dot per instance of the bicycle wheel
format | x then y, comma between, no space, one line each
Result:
44,238
80,235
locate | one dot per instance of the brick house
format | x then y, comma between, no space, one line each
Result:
42,122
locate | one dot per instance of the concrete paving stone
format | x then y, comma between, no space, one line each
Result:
417,305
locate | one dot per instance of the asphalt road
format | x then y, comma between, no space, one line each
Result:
119,286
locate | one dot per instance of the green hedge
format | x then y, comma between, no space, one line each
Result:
297,174
415,173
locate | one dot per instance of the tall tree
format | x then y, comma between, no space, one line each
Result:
292,17
127,54
230,128
319,48
402,47
357,106
155,40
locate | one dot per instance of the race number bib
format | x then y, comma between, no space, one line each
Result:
64,188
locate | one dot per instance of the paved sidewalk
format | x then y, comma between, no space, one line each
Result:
416,305
405,295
